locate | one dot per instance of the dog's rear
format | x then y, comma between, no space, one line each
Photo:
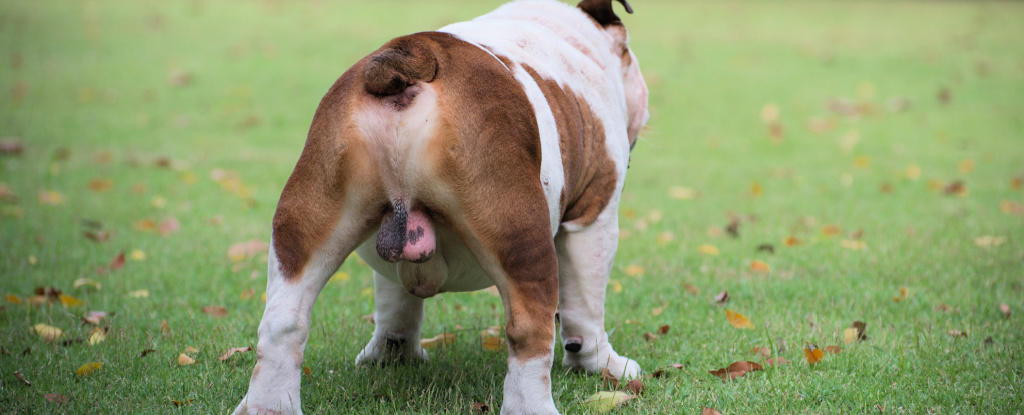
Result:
490,152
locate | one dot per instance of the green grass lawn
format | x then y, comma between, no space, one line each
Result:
885,137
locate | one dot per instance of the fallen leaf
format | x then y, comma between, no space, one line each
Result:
792,241
492,340
760,267
179,403
635,271
769,248
164,327
1010,207
115,264
692,289
146,352
146,225
833,349
70,301
138,255
616,286
439,340
231,352
56,398
101,185
957,333
664,238
780,345
636,386
903,294
97,335
722,297
609,379
21,377
813,353
94,317
11,146
215,311
606,401
943,307
51,197
650,336
965,166
761,351
849,335
682,193
707,249
479,408
1005,308
853,244
247,294
776,362
306,371
13,299
190,350
48,333
169,226
956,188
735,370
98,236
831,230
663,329
88,283
738,320
88,368
184,359
860,326
6,194
709,411
988,241
139,294
770,113
658,310
658,373
245,250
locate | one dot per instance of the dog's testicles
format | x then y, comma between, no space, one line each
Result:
405,235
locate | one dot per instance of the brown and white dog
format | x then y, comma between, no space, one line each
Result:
489,152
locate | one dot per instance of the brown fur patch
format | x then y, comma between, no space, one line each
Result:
590,173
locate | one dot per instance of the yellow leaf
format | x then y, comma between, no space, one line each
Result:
492,339
854,244
849,335
139,294
32,260
87,282
635,271
264,297
770,113
88,368
247,294
616,287
50,197
366,292
965,166
145,225
657,311
707,249
738,320
159,202
48,333
760,267
340,276
904,293
862,162
70,301
184,360
442,339
913,172
138,255
682,193
987,241
606,401
755,189
831,230
97,335
13,299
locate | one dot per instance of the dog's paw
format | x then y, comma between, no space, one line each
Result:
249,407
391,349
603,357
623,368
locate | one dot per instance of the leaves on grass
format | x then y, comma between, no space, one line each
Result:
179,403
735,370
244,250
903,294
760,267
51,197
658,373
833,349
606,401
709,411
56,398
492,340
776,362
169,226
635,271
636,386
139,294
215,311
853,244
989,241
722,297
97,335
47,332
663,329
855,332
682,193
738,320
761,351
69,301
138,255
831,230
692,289
813,353
88,368
247,294
21,377
115,264
146,352
1010,207
87,283
439,340
608,379
100,185
479,408
957,333
231,352
11,146
185,360
707,249
1005,309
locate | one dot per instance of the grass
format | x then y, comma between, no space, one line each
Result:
91,89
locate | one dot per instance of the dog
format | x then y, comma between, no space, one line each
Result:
490,152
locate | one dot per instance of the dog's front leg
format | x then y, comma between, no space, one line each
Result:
274,387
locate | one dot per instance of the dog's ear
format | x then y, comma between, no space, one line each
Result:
601,10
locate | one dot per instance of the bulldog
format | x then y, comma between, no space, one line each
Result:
489,152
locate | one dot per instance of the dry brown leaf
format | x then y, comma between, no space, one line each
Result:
943,307
101,185
833,349
658,310
369,319
21,377
164,327
608,379
776,361
722,297
146,352
215,311
760,267
761,351
903,294
169,226
479,408
1010,207
231,352
56,398
736,369
1005,308
663,329
650,336
11,146
636,386
179,403
709,411
184,360
957,333
692,289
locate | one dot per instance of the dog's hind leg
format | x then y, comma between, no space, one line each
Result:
398,317
585,259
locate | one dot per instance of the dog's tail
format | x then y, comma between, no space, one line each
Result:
400,63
